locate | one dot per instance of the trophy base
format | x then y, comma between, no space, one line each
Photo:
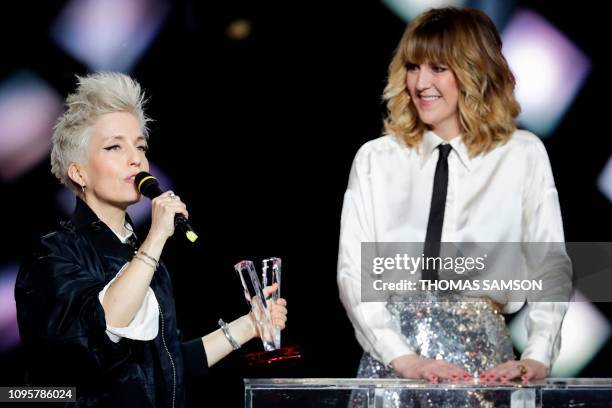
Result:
275,356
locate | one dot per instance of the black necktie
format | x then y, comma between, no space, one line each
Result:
436,212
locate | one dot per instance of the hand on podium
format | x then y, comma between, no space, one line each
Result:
416,367
526,370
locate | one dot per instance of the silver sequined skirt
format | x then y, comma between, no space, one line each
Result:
470,333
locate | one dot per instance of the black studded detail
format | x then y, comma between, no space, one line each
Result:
96,225
132,242
68,225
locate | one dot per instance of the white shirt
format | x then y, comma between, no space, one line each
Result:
145,324
388,200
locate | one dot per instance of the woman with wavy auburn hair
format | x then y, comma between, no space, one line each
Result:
466,43
452,167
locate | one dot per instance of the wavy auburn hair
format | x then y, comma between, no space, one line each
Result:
465,40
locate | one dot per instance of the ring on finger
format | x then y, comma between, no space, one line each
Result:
522,369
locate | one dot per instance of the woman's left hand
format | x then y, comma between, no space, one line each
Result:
526,370
278,309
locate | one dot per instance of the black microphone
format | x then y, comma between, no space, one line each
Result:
149,187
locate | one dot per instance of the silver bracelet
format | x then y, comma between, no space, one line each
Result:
141,259
149,257
228,336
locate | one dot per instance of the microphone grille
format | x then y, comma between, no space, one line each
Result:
143,179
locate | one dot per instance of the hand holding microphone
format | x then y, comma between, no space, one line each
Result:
168,201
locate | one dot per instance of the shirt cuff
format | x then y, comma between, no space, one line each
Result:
539,349
145,324
391,345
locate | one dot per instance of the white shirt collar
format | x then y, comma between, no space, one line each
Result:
125,238
430,142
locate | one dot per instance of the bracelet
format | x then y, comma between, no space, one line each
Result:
228,336
149,257
145,261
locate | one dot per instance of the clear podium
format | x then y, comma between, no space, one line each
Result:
379,393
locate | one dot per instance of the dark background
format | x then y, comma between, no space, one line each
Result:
258,137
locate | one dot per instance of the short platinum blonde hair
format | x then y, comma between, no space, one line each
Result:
96,94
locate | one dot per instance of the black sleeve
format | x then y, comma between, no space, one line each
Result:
60,317
194,357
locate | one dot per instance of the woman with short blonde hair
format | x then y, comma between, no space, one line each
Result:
95,305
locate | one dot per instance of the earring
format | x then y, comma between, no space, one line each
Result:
83,188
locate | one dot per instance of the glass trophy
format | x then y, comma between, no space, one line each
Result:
254,296
253,293
271,274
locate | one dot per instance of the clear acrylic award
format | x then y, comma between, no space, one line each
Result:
271,274
253,293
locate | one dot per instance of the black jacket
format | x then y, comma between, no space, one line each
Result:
62,323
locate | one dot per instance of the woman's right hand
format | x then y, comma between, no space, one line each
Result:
163,209
413,366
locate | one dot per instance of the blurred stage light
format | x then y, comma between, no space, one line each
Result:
28,110
139,212
549,69
239,30
409,9
604,182
499,11
108,34
9,331
585,331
